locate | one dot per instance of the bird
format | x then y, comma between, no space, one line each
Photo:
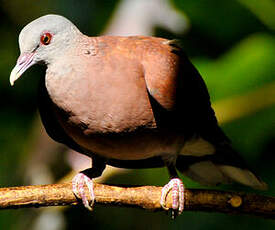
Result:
129,102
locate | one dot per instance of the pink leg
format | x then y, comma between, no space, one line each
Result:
177,188
78,183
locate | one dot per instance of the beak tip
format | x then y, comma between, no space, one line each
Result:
14,76
24,61
12,80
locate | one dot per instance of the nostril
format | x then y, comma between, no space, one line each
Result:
22,59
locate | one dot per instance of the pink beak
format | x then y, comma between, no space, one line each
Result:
24,62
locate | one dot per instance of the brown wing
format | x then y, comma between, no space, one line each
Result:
178,93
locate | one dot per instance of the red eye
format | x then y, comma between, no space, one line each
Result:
45,38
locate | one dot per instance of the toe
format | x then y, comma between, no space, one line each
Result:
78,183
175,185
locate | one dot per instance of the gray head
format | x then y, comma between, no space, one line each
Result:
42,40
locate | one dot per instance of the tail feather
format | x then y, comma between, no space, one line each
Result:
206,173
224,166
243,176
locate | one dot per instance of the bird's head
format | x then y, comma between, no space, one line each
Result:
43,40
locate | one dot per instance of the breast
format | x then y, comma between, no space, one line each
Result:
106,110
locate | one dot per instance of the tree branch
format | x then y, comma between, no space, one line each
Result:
146,197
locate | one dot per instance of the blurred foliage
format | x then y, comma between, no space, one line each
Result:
264,10
232,44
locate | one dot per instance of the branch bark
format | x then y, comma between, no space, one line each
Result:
146,197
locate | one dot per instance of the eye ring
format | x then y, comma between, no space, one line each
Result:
46,38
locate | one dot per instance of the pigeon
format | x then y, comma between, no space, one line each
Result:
129,102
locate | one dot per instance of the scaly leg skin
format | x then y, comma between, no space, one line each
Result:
78,183
176,186
85,178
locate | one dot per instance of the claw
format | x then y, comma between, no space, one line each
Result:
78,183
177,188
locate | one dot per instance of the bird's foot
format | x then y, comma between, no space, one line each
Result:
177,188
78,183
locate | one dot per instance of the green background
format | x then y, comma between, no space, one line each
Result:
232,44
